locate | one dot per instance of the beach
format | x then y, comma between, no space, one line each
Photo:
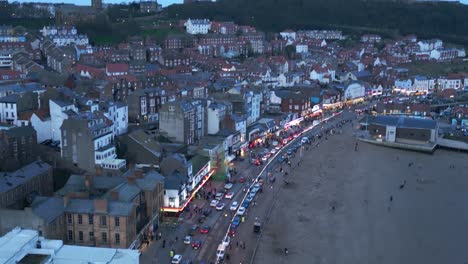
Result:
373,205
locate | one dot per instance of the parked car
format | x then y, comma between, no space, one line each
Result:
196,244
205,230
214,203
232,231
187,240
273,151
176,259
242,179
220,206
245,204
234,206
228,186
207,211
236,221
193,229
219,196
202,219
229,195
226,241
241,211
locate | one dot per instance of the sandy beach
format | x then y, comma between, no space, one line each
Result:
347,206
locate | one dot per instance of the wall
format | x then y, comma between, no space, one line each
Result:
422,135
43,128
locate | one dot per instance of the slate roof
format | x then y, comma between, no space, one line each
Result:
403,122
11,180
174,181
10,98
48,208
84,206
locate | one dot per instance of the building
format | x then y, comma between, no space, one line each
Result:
403,85
17,147
197,26
354,92
402,129
88,142
40,121
423,84
116,112
17,187
148,6
144,105
172,58
117,69
184,121
371,38
294,102
216,112
60,111
28,246
429,45
96,4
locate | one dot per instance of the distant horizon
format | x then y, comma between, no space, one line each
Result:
164,3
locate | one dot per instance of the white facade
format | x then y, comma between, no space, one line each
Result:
118,114
8,113
65,40
428,45
256,100
403,84
289,35
19,243
422,84
450,83
241,126
6,60
302,48
215,115
57,115
354,91
51,31
198,26
42,127
175,198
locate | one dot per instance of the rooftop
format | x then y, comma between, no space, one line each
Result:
403,122
10,180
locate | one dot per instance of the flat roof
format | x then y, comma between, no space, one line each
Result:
402,122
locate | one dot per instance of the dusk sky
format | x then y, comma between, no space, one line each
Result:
163,2
88,2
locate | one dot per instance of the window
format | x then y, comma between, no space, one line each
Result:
80,219
69,218
80,235
90,219
104,236
91,235
103,220
70,235
117,221
117,239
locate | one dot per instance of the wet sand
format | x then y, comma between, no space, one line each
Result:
426,221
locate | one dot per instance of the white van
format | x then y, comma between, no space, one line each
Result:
220,251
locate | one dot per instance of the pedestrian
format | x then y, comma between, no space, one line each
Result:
164,243
176,238
391,198
286,251
237,244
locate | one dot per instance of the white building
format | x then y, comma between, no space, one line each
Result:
40,121
216,113
59,111
403,85
48,31
118,113
354,91
302,48
198,26
65,40
256,106
450,83
422,84
428,45
8,109
288,35
6,59
23,245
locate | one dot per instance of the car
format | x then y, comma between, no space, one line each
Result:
187,240
248,199
278,147
241,179
275,143
207,211
176,259
252,194
290,151
234,206
229,195
264,158
273,151
226,241
232,231
268,155
205,230
220,206
281,159
202,219
228,186
196,244
241,211
214,203
258,162
236,221
193,229
257,185
219,196
245,204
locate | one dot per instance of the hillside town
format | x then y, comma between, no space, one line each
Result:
105,146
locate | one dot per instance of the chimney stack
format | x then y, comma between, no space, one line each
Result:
89,181
100,205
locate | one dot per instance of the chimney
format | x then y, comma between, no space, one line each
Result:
100,205
131,180
66,201
114,195
138,174
89,181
